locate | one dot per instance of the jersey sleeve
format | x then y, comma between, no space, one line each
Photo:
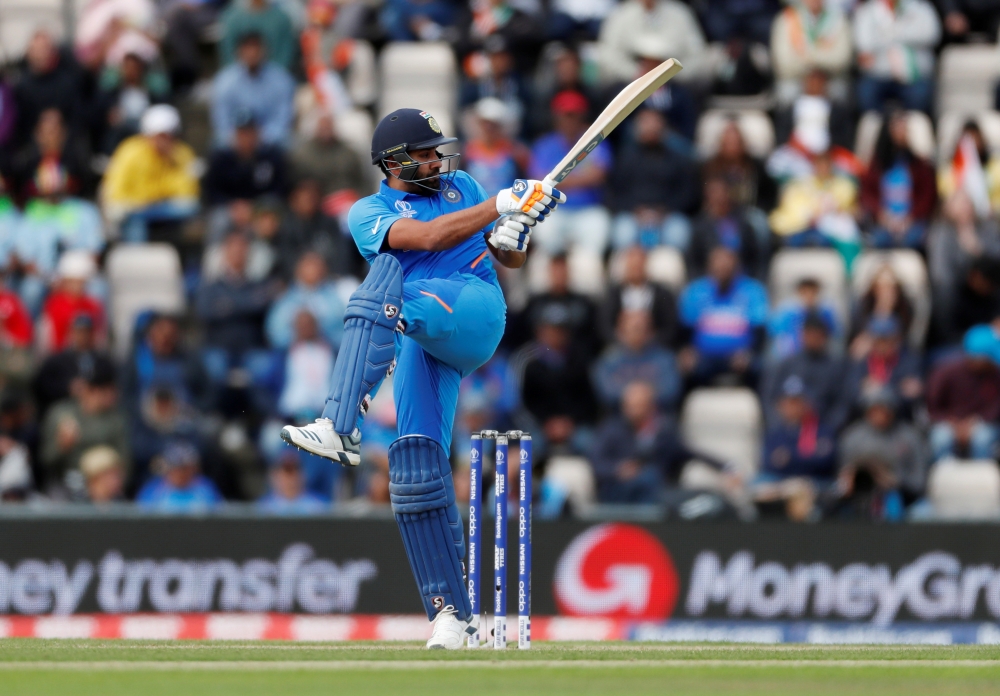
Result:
369,222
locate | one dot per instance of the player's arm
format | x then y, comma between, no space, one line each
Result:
507,257
444,232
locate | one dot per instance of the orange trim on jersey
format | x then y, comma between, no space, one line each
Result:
440,301
481,257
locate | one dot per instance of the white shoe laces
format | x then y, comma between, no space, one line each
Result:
448,610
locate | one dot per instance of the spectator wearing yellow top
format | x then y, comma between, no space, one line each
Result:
151,177
979,178
819,210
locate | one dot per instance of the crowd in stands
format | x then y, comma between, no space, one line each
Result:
234,135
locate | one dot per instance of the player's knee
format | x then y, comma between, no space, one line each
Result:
419,476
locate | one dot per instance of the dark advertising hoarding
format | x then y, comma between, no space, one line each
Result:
870,574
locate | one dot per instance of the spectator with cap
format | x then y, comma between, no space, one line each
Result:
882,461
963,400
59,374
151,177
575,310
810,35
671,21
318,153
638,451
799,454
246,168
723,319
265,18
887,363
255,85
656,188
552,378
287,494
899,190
313,291
821,373
232,307
582,221
785,326
51,79
635,356
720,223
636,292
180,487
159,357
68,300
895,45
103,475
90,417
491,157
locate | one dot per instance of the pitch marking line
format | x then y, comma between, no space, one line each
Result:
347,665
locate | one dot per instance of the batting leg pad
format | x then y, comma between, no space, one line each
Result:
423,500
369,344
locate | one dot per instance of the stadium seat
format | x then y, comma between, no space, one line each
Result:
964,489
966,77
664,265
909,267
789,266
419,75
725,423
920,135
950,126
756,127
586,272
20,18
141,277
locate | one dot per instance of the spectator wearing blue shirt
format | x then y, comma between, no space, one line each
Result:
287,494
180,488
724,317
313,292
787,320
635,356
582,221
256,86
417,20
799,454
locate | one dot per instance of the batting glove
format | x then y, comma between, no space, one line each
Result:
511,232
530,197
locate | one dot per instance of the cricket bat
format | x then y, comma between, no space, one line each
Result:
615,112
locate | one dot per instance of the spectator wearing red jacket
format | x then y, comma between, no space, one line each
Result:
68,300
963,398
15,322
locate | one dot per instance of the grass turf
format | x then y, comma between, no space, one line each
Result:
119,668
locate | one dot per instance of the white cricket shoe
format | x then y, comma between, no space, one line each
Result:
449,631
320,439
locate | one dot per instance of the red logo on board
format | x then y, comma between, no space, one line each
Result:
616,571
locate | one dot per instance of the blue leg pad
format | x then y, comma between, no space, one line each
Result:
423,501
369,343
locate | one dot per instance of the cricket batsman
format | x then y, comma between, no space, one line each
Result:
431,309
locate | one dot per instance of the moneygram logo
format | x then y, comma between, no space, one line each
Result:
616,570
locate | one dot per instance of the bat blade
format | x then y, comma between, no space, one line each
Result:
617,111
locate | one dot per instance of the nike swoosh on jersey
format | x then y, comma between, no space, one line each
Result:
375,228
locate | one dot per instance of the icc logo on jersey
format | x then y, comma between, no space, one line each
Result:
405,209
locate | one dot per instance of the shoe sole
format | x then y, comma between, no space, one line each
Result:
339,456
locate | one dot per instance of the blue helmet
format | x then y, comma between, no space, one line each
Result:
402,131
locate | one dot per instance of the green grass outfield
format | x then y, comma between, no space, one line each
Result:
39,667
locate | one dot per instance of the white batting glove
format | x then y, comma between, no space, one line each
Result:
511,232
530,197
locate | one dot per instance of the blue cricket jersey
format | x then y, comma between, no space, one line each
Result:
372,216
